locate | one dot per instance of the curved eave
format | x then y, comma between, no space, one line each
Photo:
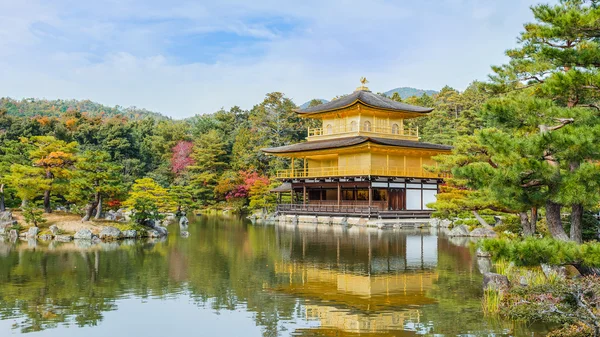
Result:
344,143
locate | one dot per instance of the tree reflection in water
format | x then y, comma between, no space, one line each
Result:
300,280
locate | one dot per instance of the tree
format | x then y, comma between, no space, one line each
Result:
559,59
181,157
490,171
209,158
11,153
147,200
95,177
28,182
54,158
33,215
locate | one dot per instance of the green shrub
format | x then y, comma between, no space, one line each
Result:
533,251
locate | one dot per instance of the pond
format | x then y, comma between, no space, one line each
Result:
232,278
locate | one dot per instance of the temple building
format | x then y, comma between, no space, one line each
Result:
362,160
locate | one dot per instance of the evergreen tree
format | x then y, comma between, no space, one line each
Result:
209,157
95,178
148,200
559,59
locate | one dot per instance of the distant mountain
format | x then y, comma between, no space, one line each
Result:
305,105
406,92
30,107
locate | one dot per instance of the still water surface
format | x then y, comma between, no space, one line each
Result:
231,278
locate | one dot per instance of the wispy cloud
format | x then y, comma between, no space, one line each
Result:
186,57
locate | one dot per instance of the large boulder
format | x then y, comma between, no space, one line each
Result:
84,234
496,281
162,230
63,238
5,228
111,215
184,221
554,271
460,230
110,233
45,237
130,234
33,232
484,265
483,233
482,253
445,223
152,233
5,216
54,230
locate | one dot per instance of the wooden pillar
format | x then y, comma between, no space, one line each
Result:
305,163
421,164
370,196
387,164
404,167
292,167
339,194
304,193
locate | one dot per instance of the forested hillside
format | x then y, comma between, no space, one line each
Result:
53,108
406,92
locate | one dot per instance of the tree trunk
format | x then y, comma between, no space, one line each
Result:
534,219
527,224
47,206
23,203
554,223
2,205
89,210
576,219
99,208
481,220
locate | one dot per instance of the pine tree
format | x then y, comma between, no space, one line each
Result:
95,177
559,59
209,156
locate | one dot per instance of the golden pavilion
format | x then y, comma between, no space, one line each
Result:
363,160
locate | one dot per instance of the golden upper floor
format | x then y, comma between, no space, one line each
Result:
363,113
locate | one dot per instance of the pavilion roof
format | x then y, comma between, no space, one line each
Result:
285,187
351,141
367,98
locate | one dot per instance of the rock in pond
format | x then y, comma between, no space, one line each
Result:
483,233
484,265
54,230
153,233
496,281
185,234
460,230
110,233
45,237
5,228
84,234
130,234
184,221
481,253
33,232
63,238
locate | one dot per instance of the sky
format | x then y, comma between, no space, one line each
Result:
183,58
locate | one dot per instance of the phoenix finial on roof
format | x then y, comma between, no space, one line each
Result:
363,80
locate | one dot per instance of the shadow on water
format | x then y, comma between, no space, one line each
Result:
284,280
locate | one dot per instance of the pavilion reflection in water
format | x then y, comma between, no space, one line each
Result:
359,281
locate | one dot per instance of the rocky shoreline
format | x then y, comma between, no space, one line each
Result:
153,229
